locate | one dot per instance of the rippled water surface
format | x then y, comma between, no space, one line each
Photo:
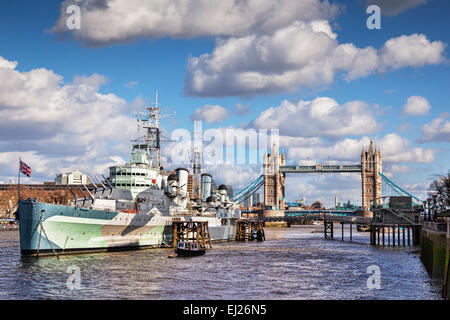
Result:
293,263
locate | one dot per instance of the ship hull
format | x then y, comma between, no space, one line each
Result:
45,228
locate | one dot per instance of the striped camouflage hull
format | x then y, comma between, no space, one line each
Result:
46,227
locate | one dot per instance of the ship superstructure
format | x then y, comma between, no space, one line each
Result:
144,168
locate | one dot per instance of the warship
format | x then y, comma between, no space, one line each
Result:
131,209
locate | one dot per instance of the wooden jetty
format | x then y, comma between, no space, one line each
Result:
191,231
249,230
388,226
401,234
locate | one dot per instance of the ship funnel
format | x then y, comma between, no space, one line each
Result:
183,174
206,186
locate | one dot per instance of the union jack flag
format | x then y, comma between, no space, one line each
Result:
25,169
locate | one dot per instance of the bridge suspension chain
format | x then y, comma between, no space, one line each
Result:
250,192
397,189
244,191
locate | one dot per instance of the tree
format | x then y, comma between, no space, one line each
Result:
441,187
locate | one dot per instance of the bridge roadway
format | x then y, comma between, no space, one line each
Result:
318,168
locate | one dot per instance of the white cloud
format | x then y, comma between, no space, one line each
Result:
437,130
105,22
237,176
287,141
95,81
400,168
242,110
7,64
394,149
322,117
414,50
416,105
210,114
56,126
300,55
264,46
418,189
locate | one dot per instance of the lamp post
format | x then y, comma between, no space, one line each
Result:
425,210
434,206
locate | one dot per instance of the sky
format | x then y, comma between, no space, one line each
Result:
311,69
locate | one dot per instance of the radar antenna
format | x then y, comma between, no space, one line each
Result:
151,142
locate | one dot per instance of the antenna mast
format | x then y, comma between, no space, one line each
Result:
153,135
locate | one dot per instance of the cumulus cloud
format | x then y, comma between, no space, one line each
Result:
210,114
321,117
106,22
301,55
410,51
392,8
437,130
242,110
7,64
399,168
265,46
237,176
57,126
95,81
394,149
416,106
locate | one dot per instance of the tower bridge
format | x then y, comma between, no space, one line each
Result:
275,170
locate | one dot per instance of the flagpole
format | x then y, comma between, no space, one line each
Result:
18,182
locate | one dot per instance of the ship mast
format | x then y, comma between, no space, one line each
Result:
153,134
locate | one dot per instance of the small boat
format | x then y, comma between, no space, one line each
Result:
188,249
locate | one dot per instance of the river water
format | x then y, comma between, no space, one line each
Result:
293,263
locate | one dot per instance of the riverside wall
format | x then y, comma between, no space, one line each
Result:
435,252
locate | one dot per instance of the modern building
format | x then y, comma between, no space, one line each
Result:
252,201
256,199
72,177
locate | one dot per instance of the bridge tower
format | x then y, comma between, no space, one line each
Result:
371,165
274,180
